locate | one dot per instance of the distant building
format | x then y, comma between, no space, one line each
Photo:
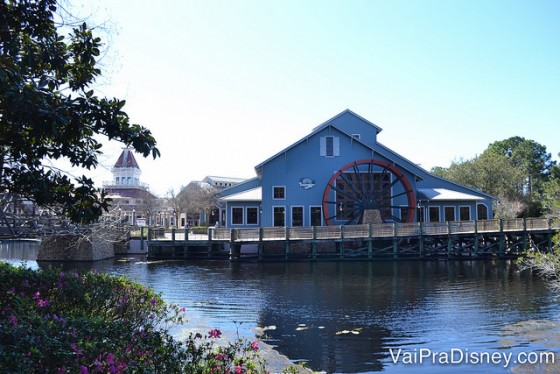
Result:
340,174
132,199
222,182
200,194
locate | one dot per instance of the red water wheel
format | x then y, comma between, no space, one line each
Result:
368,191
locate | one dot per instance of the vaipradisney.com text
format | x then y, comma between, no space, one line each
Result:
459,356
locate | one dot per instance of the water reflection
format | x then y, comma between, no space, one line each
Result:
346,316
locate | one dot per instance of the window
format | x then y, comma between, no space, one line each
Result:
482,211
449,213
236,216
420,214
434,213
279,216
297,216
279,192
252,216
316,215
329,146
356,136
403,211
464,213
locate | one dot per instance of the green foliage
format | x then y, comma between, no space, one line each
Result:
534,163
518,171
48,110
489,172
528,156
65,322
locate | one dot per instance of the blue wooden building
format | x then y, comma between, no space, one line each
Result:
340,174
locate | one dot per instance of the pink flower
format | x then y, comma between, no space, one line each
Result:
43,303
215,333
255,346
238,369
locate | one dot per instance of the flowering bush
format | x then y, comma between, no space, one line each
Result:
65,322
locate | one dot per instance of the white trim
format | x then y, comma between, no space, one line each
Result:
430,214
242,215
470,212
279,198
454,213
278,206
320,214
292,215
247,215
487,210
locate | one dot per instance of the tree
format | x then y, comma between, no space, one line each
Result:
48,111
532,159
527,155
197,197
489,172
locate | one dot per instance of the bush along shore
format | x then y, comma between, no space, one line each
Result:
65,322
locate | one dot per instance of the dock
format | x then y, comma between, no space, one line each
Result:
425,240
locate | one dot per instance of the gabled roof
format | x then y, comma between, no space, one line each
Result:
343,113
318,129
126,160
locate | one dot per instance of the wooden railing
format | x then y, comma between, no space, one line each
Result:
387,230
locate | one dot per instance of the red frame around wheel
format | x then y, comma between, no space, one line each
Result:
408,191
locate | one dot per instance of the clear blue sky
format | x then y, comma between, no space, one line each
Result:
224,85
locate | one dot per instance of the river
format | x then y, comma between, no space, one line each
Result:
360,317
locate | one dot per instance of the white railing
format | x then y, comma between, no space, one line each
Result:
384,230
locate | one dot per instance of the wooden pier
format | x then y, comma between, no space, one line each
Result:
461,239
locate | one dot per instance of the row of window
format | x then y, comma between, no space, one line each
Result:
449,213
250,216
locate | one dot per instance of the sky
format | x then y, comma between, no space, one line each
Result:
224,85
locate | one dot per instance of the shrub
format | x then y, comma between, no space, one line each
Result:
64,322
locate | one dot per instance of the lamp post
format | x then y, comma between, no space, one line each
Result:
133,217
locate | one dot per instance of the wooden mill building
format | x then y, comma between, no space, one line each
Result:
341,174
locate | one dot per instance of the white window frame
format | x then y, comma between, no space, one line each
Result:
470,212
454,212
242,215
323,146
273,217
279,198
292,215
247,215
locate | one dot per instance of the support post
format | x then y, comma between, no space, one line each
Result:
287,244
395,242
421,240
476,238
142,238
341,248
525,234
502,244
449,240
261,244
314,243
370,240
